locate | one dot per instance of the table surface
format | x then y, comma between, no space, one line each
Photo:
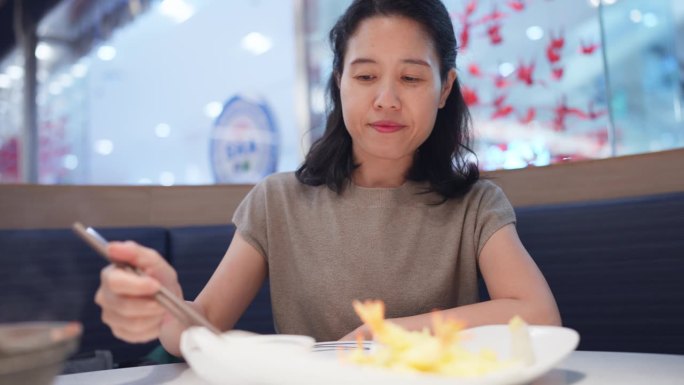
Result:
580,368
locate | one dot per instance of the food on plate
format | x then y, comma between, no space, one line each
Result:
438,353
521,345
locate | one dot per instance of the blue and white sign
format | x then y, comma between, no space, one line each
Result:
244,142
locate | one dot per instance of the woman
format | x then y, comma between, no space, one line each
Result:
385,206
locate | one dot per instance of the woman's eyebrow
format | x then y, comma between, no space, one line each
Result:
417,61
407,61
362,60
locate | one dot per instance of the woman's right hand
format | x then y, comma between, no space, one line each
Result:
127,300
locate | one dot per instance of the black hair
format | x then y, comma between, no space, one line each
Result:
440,160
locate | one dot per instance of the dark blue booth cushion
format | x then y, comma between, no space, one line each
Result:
53,275
616,269
196,251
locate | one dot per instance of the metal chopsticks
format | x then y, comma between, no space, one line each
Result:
176,306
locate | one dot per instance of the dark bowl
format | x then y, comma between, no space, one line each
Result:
34,352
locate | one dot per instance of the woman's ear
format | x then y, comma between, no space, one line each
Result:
446,87
337,79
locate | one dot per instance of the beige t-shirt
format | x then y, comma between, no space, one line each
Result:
324,250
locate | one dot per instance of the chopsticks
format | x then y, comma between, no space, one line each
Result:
176,306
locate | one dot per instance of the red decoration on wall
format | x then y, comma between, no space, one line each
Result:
557,73
588,48
553,54
529,116
52,147
501,82
470,96
592,114
557,42
9,160
464,36
517,5
502,112
600,135
485,24
525,72
474,70
494,33
464,18
493,16
470,8
499,100
562,111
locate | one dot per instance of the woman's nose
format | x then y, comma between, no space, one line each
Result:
387,98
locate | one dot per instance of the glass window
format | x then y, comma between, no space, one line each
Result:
11,100
551,81
209,91
187,92
646,86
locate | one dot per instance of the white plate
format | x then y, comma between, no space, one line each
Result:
239,358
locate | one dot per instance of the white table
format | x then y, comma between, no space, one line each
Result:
580,368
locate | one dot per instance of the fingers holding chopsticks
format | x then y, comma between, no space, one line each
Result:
134,330
128,300
133,319
145,259
129,305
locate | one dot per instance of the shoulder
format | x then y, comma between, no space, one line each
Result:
484,187
490,200
483,193
282,185
279,180
274,191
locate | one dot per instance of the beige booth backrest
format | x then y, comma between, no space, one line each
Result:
47,206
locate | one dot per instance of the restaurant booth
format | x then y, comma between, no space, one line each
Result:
607,234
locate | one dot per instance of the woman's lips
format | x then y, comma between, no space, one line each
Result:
386,126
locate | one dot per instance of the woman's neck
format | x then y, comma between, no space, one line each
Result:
380,173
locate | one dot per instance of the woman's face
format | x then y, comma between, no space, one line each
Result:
391,89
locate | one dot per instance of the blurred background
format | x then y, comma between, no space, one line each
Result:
187,92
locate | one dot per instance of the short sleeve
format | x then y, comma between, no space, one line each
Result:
250,219
494,212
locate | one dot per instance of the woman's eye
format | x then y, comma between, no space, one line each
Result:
411,79
364,78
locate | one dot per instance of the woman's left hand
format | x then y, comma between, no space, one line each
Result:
362,330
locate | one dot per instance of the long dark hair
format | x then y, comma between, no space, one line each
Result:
440,160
